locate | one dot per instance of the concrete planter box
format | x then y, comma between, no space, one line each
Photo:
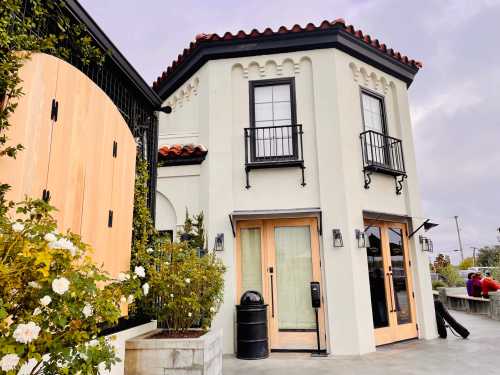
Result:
193,356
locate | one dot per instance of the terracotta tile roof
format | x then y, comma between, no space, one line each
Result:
181,154
256,34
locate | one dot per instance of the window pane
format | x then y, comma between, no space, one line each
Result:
263,94
263,112
293,278
281,93
399,277
372,113
251,271
282,111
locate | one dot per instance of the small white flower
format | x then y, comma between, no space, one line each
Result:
212,309
130,299
139,271
167,263
188,280
123,276
190,314
46,357
25,333
92,343
63,243
45,300
50,237
171,295
28,367
34,284
60,285
17,227
83,356
9,362
149,250
145,289
101,367
37,311
87,310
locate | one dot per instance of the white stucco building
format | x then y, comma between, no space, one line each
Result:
296,144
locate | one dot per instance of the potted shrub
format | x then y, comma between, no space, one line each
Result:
184,292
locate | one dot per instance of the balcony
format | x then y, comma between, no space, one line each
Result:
382,154
273,147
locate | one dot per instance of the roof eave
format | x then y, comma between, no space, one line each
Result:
333,38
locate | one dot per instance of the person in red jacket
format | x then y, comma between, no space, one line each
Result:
489,285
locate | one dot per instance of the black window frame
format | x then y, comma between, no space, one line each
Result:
293,104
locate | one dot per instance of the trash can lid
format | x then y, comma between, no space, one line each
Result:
251,297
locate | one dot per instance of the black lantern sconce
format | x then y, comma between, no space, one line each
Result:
219,242
361,238
337,238
426,244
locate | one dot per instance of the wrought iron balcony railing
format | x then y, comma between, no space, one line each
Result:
382,154
273,147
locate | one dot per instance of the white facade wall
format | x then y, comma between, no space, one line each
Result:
212,108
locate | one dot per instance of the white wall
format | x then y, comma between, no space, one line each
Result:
327,86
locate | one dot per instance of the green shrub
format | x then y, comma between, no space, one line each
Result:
186,289
53,298
438,284
451,275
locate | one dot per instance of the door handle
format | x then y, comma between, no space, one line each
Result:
272,291
389,274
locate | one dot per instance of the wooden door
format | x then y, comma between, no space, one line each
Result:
391,287
280,258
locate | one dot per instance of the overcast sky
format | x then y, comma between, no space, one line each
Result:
455,98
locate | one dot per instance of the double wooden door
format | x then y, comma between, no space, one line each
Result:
391,287
279,258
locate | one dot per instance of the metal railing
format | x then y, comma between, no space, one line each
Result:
273,144
382,153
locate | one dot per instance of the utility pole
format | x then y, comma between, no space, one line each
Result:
459,239
474,255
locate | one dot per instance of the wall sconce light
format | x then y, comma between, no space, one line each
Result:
219,242
361,238
426,244
337,238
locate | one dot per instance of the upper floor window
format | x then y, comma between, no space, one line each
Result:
272,115
373,112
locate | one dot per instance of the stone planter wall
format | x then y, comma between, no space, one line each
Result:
197,356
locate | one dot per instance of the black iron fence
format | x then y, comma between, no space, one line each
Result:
382,153
273,144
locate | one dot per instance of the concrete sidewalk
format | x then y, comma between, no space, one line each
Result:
479,354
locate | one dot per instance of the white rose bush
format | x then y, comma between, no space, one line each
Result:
54,300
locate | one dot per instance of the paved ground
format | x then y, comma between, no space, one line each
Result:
479,354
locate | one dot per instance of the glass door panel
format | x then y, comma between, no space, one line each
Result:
293,277
251,265
376,274
399,277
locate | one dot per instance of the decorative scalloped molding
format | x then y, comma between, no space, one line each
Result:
369,78
263,68
184,94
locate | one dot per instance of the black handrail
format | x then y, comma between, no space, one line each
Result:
382,153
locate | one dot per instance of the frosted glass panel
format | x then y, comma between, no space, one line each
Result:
264,94
251,271
293,278
281,93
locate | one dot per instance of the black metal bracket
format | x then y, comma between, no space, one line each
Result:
368,178
232,225
398,180
303,176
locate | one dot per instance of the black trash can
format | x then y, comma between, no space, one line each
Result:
251,333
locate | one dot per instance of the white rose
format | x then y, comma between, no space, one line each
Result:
130,299
50,237
17,227
9,362
63,243
45,301
145,289
139,271
123,276
87,310
60,285
25,333
28,367
34,284
188,281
